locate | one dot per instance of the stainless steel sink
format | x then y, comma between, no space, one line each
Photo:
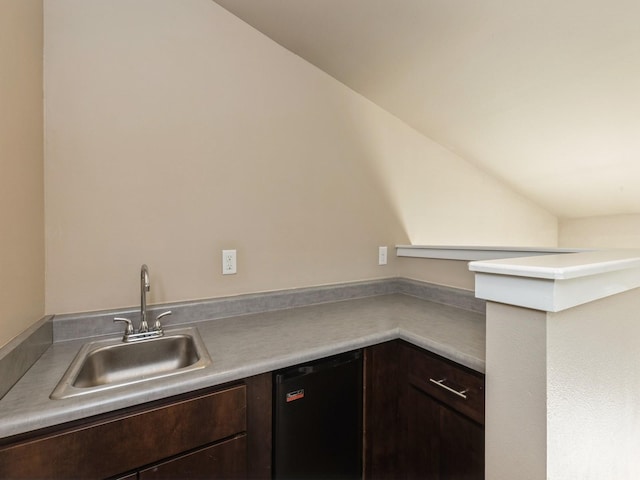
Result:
107,364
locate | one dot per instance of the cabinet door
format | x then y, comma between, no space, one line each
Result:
442,444
225,460
452,384
384,387
417,427
106,447
128,476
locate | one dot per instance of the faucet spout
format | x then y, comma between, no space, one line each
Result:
145,286
144,332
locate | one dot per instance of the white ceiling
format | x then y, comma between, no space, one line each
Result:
544,94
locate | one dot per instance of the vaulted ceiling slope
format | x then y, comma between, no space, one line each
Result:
543,94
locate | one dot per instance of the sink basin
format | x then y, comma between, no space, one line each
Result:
107,364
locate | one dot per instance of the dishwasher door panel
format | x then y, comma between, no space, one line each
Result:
318,419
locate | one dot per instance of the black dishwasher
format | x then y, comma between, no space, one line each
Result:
318,419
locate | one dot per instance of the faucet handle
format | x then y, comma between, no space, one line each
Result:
129,328
158,325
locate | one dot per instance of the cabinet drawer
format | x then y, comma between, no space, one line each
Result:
226,460
456,386
103,448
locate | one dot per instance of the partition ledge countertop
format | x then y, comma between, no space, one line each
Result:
252,344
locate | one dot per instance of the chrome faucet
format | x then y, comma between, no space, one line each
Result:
145,286
130,333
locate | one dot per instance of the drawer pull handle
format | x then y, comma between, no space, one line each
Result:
440,383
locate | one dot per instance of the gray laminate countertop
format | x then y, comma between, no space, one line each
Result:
248,345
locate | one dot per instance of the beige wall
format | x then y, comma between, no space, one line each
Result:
444,200
452,273
21,158
516,389
562,391
174,130
593,425
612,231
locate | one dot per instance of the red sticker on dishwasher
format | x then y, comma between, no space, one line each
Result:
296,395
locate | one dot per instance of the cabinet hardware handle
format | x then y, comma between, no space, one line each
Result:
440,383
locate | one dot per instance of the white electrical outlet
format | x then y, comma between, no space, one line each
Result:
228,262
382,255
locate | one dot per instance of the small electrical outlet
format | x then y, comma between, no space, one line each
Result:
228,262
382,255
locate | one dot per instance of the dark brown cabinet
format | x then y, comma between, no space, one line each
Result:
216,433
424,416
383,415
225,460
